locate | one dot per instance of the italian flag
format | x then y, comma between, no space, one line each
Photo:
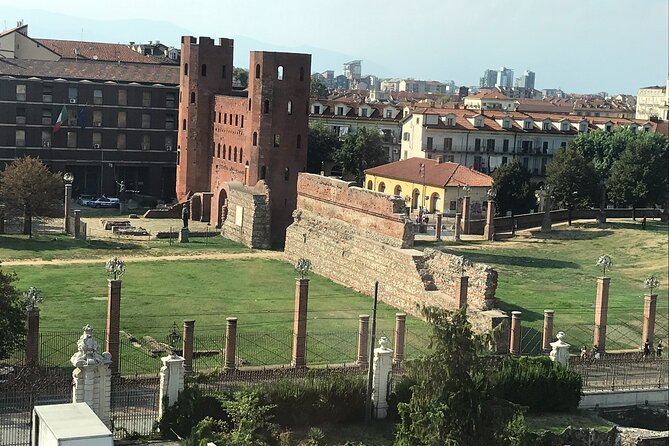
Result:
61,118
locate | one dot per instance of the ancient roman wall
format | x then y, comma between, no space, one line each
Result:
248,217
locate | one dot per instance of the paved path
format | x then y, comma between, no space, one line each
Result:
272,255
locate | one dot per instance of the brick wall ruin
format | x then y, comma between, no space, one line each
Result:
247,215
355,237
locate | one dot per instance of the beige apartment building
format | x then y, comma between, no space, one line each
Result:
653,102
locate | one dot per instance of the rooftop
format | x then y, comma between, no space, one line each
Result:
437,174
111,52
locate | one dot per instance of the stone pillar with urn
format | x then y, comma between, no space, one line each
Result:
489,230
602,304
466,210
299,357
33,297
649,311
68,178
115,268
382,369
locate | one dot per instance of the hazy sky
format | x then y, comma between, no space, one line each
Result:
579,45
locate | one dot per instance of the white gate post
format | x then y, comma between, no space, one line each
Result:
171,381
383,365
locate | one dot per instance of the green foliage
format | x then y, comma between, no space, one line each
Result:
318,89
515,192
12,315
572,178
450,404
241,75
537,383
190,408
639,177
315,437
323,144
359,151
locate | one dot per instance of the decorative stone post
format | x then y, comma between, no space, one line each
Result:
438,226
189,333
171,381
363,340
383,365
300,323
649,308
32,337
547,336
68,178
113,322
230,343
515,332
466,215
457,228
461,289
601,311
91,378
400,337
77,223
560,350
489,230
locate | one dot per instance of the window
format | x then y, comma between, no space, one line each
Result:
504,160
564,126
255,138
169,122
417,120
263,172
241,124
146,121
223,72
277,140
450,122
146,142
249,104
146,99
340,110
317,109
46,116
505,145
290,107
405,136
452,205
429,143
218,152
20,138
477,144
448,143
224,149
122,119
544,146
192,97
241,154
20,92
299,141
389,113
526,146
527,125
225,118
235,154
203,70
183,125
279,72
363,112
169,143
47,93
169,100
526,163
546,126
46,138
286,174
71,139
120,141
609,127
72,94
229,152
122,97
257,71
219,118
97,97
370,185
71,117
97,118
236,120
185,69
20,115
265,107
97,140
506,123
301,73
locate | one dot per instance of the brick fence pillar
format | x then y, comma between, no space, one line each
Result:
489,230
32,337
189,335
466,214
112,344
515,332
300,323
601,311
438,227
400,337
363,341
457,227
547,336
230,343
461,289
649,305
77,223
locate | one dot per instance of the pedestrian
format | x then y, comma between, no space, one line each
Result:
658,350
643,223
584,352
595,352
646,349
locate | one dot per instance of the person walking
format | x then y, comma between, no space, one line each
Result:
658,349
646,349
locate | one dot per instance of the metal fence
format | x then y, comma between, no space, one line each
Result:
622,372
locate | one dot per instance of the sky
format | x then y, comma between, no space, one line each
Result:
581,46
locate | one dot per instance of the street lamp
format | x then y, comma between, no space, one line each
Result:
173,339
68,179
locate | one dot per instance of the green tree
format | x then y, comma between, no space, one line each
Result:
514,190
323,144
359,151
450,404
573,180
28,187
12,315
241,75
318,89
639,177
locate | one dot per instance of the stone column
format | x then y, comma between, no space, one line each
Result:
547,336
489,230
2,218
438,227
300,323
400,337
502,334
32,337
515,332
601,218
189,333
560,350
363,340
91,378
383,365
183,235
113,323
171,381
230,343
649,305
77,223
546,223
601,311
457,228
68,197
461,289
466,215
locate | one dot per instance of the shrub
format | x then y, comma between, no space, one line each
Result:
191,408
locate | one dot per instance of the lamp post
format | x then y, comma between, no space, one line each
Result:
68,178
173,339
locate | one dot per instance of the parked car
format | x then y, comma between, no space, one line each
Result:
105,202
85,200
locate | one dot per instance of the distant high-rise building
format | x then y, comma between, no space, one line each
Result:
526,80
505,78
489,79
353,70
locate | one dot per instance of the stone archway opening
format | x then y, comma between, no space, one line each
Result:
222,207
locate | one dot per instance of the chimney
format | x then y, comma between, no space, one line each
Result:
440,159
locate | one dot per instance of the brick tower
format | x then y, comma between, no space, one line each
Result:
206,70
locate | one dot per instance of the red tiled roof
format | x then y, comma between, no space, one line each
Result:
490,94
112,52
437,174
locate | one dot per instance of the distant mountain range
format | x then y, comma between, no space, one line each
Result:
49,25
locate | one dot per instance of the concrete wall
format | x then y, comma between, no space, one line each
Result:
622,398
248,218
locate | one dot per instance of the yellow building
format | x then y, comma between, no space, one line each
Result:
433,184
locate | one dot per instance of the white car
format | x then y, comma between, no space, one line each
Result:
105,202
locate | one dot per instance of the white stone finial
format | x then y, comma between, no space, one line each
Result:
384,343
88,350
560,351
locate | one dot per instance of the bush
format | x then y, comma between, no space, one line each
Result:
537,383
191,408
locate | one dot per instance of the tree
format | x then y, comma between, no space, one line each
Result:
573,180
514,190
323,144
451,403
318,89
359,151
12,315
27,186
639,177
241,75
